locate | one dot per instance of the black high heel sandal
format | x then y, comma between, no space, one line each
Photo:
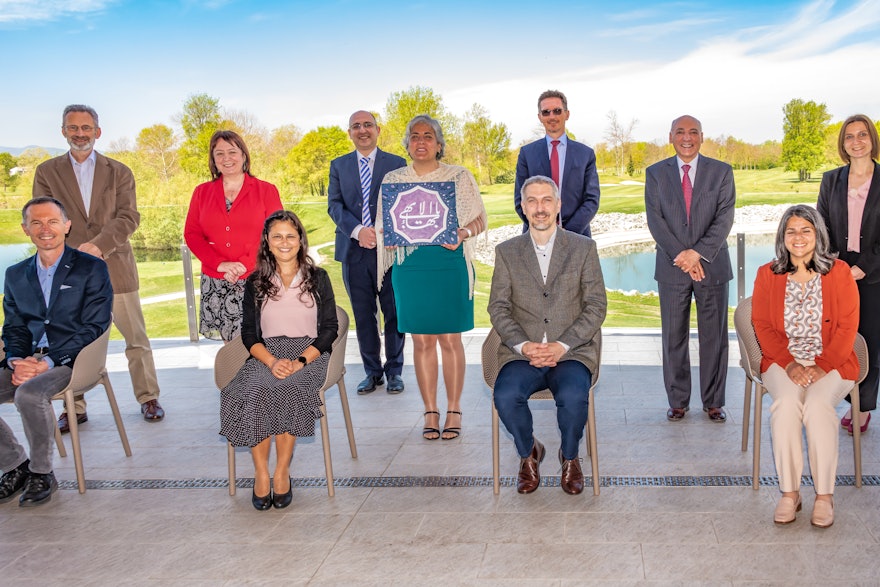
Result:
428,433
455,431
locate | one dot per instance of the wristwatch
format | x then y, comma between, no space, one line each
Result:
302,359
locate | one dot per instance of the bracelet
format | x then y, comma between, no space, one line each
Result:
468,231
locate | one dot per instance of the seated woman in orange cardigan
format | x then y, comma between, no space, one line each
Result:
805,310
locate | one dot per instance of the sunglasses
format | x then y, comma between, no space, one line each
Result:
556,111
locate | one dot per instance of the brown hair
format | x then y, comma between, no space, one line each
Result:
233,138
872,132
553,94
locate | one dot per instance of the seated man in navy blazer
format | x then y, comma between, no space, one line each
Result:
55,303
570,164
547,304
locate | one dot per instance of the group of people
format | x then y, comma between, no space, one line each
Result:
547,300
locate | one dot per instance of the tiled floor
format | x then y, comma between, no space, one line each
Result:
675,507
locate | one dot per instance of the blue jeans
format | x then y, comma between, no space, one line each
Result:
569,381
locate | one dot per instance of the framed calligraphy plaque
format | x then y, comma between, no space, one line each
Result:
421,213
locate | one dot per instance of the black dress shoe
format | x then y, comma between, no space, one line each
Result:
282,500
13,481
64,425
368,385
529,478
395,384
38,489
262,503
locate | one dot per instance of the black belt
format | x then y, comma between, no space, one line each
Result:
41,350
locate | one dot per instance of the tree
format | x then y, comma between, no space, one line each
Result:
199,119
402,106
619,136
803,143
156,146
8,179
309,161
486,145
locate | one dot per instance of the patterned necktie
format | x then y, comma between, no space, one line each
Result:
687,188
554,172
366,180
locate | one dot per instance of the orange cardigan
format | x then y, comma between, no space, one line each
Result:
840,320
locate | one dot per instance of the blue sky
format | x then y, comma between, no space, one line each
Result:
733,64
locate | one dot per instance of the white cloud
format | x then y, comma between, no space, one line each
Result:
39,10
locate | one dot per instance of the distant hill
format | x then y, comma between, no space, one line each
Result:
16,151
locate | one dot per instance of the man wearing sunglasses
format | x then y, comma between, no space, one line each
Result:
570,164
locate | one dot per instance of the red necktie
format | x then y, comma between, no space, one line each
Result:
554,172
688,189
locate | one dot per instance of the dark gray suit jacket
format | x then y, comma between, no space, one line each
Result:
569,308
712,210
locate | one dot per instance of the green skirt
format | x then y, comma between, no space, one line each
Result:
431,292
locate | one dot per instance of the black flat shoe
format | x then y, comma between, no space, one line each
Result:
262,503
368,385
282,500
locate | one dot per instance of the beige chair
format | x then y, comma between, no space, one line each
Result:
750,361
89,370
232,356
490,373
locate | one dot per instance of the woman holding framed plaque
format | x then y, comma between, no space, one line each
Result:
430,213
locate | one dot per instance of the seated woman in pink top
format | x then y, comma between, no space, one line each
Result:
223,228
288,325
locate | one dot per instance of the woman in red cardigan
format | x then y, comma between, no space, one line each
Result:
805,310
223,228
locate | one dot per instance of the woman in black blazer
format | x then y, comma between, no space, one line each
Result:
849,201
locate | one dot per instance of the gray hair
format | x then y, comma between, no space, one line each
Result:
540,179
676,121
42,200
823,258
435,126
80,108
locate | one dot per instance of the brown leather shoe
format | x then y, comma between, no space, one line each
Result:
152,411
676,414
64,424
716,415
572,480
529,478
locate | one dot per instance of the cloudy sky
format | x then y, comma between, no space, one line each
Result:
733,64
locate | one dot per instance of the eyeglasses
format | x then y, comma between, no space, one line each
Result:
75,128
556,111
362,125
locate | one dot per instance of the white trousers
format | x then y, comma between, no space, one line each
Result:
796,408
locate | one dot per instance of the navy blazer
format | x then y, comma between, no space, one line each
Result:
833,208
79,311
580,182
712,211
345,198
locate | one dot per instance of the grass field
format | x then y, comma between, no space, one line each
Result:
167,319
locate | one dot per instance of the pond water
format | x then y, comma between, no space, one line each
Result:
631,267
12,254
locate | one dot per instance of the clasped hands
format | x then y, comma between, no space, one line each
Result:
231,270
27,368
543,354
283,368
689,262
802,375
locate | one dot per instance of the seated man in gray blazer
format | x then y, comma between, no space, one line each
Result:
547,304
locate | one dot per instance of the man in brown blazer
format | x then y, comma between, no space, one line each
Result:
99,196
547,304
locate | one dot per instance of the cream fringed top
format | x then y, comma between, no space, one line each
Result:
468,206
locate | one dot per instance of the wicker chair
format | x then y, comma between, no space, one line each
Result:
490,373
750,361
232,356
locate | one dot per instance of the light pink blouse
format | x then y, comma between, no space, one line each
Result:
855,207
288,315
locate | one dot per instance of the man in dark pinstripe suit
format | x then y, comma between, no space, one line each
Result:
689,201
